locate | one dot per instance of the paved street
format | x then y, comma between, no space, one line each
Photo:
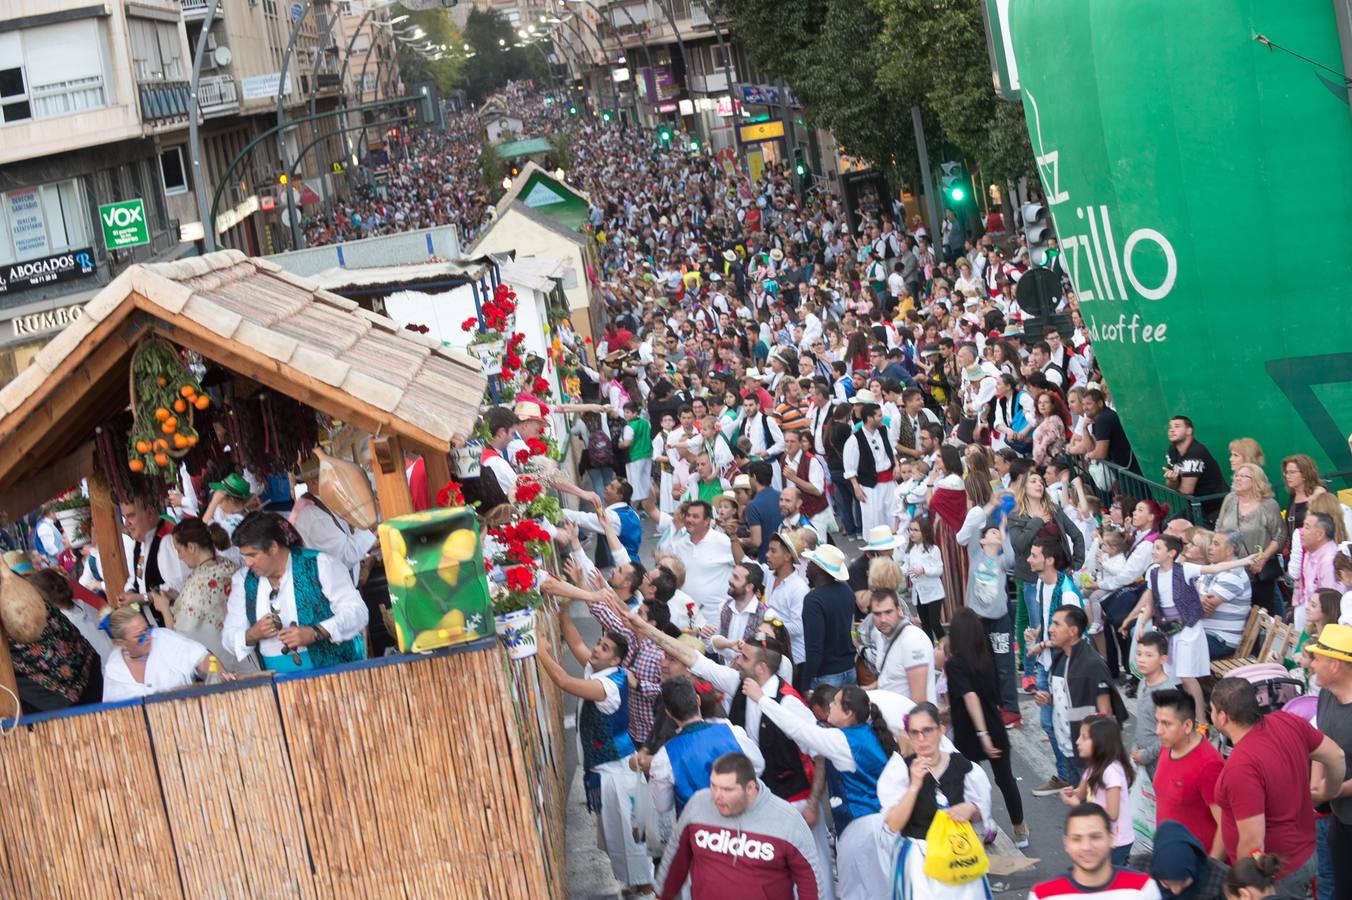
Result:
589,875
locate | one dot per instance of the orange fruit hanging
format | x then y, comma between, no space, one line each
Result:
136,465
161,414
187,390
192,440
180,406
162,381
143,447
161,460
161,444
180,442
202,401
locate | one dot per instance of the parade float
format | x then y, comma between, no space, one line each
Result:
414,774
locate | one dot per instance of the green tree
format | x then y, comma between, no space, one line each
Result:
497,61
441,31
940,51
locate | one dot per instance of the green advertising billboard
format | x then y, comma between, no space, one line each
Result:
1201,185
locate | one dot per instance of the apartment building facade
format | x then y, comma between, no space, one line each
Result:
94,110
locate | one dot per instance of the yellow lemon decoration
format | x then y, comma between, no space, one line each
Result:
459,546
453,623
449,570
431,640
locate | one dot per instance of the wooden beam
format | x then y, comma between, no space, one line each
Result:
54,405
237,357
104,516
9,709
387,460
437,466
30,493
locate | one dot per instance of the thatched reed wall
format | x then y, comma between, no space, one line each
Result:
437,776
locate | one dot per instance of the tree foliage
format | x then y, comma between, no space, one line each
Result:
494,63
940,49
440,29
860,67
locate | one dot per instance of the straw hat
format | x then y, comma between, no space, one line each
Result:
530,408
776,254
1335,642
18,562
742,482
831,560
864,396
880,538
789,541
730,256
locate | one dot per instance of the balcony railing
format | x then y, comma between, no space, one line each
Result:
218,96
164,102
197,9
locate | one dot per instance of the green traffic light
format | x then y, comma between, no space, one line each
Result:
572,110
800,170
958,194
694,145
664,135
605,116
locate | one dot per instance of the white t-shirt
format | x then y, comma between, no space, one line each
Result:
911,649
170,664
1165,598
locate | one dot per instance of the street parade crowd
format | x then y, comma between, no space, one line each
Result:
778,389
842,504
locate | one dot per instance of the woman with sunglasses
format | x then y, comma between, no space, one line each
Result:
147,660
912,790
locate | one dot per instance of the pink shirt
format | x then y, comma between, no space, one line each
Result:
1124,834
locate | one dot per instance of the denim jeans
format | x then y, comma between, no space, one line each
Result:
1067,770
1028,594
839,679
1325,878
1218,648
999,634
600,477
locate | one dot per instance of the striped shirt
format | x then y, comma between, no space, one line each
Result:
1236,593
1126,884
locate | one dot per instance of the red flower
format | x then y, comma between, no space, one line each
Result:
517,340
587,339
520,578
450,495
511,361
212,584
527,492
537,446
522,456
539,386
468,324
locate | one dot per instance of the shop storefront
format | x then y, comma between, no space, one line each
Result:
27,319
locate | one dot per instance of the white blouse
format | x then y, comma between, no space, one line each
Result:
171,663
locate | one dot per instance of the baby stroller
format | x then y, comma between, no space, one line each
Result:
1275,686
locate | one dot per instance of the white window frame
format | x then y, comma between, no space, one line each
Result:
74,223
182,167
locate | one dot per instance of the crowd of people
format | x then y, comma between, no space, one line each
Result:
885,503
843,505
220,584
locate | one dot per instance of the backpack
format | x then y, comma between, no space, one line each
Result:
600,451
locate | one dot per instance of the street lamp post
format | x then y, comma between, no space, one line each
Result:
199,181
600,45
620,43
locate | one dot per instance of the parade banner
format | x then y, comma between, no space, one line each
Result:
1200,184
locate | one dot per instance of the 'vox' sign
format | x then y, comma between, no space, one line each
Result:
124,224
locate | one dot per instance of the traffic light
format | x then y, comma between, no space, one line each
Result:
799,163
664,135
605,116
954,182
1036,230
572,109
694,145
282,179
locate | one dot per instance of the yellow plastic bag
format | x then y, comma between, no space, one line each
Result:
953,852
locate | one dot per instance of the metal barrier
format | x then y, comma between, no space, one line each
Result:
1112,480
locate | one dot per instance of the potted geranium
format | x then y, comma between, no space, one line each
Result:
72,511
515,576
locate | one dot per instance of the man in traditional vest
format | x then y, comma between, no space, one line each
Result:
154,563
615,506
500,421
603,732
296,607
681,767
637,438
868,460
803,470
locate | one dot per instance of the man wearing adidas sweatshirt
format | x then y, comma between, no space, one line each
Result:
736,839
